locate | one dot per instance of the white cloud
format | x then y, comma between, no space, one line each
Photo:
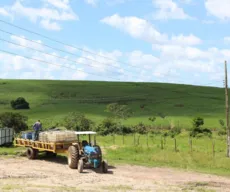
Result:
136,27
227,40
50,25
185,40
138,58
168,9
48,15
92,2
142,29
61,4
24,43
4,12
219,9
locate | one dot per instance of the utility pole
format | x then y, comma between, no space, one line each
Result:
227,110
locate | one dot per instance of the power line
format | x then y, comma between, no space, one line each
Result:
52,54
67,52
51,63
65,43
45,45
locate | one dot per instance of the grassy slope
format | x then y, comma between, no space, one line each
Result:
51,100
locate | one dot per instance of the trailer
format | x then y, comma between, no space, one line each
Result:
79,153
6,136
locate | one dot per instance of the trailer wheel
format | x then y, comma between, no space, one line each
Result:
73,157
104,166
31,153
80,166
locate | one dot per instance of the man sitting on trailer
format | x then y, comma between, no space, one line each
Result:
37,127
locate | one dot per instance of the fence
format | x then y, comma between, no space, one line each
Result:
177,144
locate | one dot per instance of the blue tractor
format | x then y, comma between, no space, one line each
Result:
86,153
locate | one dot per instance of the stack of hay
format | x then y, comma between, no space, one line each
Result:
57,136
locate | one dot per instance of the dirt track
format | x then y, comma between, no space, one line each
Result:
53,175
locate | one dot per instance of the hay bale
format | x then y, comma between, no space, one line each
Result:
57,136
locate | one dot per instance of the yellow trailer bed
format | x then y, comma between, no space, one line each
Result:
44,146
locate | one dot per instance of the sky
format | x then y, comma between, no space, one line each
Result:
174,41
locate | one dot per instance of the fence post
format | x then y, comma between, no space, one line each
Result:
190,142
147,140
134,139
162,147
213,148
114,139
175,144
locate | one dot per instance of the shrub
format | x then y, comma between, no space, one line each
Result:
223,128
107,126
78,122
199,132
14,120
20,103
141,128
197,122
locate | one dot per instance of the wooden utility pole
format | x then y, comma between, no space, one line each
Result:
227,110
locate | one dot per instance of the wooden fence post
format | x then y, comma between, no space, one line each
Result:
114,139
134,139
190,142
213,148
147,140
175,144
162,147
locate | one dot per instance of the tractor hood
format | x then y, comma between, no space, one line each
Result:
89,150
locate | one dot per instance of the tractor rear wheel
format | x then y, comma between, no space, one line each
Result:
104,166
73,157
31,153
80,166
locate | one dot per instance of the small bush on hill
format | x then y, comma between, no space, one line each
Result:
197,131
110,126
14,120
223,128
107,126
78,122
141,128
20,103
197,122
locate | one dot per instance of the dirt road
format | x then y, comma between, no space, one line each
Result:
53,175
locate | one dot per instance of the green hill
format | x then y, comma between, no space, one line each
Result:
52,100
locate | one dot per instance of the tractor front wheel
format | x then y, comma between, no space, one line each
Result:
73,157
104,166
80,166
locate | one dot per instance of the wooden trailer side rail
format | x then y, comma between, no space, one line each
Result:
43,146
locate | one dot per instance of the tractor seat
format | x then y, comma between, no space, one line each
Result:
84,143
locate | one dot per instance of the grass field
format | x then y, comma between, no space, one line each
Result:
52,100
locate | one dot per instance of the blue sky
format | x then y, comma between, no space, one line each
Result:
176,41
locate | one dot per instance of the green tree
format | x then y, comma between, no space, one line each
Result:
78,122
20,103
14,120
197,122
